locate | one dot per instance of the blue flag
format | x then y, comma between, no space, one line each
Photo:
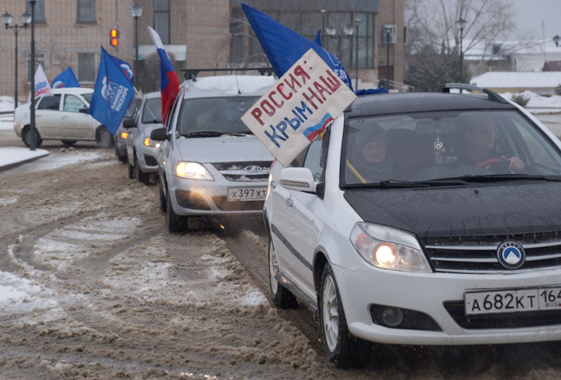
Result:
125,67
317,41
284,46
65,79
112,95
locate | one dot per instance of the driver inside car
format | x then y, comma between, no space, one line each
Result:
481,150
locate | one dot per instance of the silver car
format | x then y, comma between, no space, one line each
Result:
120,136
142,151
209,163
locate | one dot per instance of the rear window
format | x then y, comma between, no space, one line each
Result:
49,102
429,146
214,114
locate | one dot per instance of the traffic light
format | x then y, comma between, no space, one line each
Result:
114,37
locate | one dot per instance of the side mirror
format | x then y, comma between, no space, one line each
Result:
159,134
129,123
83,110
300,179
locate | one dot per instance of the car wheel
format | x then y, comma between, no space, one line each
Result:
281,296
130,170
342,348
120,157
104,138
68,143
163,204
140,176
26,137
175,222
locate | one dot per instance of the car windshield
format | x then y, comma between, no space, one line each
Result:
412,148
152,112
132,107
221,115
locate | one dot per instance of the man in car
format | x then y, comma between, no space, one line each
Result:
481,150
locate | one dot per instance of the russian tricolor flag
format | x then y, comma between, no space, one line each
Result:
169,83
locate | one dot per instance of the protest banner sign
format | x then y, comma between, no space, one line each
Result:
298,107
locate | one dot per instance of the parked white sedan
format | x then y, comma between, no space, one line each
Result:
59,117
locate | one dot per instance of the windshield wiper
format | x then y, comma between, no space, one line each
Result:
203,134
154,121
428,183
508,177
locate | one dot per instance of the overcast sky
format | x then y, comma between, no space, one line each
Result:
532,12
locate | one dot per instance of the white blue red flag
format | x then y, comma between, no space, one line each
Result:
169,83
66,79
42,86
284,46
112,95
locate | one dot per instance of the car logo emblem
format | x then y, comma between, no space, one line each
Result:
511,255
253,169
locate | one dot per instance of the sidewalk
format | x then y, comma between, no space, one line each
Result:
10,157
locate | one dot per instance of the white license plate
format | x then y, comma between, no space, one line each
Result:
515,300
247,193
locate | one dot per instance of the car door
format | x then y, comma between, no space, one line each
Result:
296,224
75,124
47,116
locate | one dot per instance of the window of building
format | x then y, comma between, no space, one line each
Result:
39,60
161,20
86,11
38,9
86,67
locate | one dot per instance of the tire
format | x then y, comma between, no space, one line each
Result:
104,138
163,202
140,176
26,137
342,348
281,296
175,222
68,143
130,170
121,158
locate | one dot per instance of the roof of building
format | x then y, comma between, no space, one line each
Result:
506,80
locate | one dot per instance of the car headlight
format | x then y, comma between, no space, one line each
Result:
124,135
149,142
388,248
192,170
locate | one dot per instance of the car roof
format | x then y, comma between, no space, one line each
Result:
390,104
227,85
154,94
73,90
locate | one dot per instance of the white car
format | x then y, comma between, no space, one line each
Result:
141,151
61,116
209,163
421,246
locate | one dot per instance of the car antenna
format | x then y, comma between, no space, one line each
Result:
238,84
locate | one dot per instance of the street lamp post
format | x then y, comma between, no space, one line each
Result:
461,23
32,131
357,23
7,19
388,31
323,16
136,12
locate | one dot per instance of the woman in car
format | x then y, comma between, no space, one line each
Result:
369,161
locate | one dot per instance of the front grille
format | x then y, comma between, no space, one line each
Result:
225,205
479,254
252,171
456,310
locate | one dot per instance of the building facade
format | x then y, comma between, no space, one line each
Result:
197,33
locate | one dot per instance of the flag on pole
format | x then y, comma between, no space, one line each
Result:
66,79
284,46
42,86
317,40
112,95
169,83
125,67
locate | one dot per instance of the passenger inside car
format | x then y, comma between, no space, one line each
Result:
369,161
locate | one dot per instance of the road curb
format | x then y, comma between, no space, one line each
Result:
4,167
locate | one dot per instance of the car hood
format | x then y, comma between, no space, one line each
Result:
223,149
502,209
